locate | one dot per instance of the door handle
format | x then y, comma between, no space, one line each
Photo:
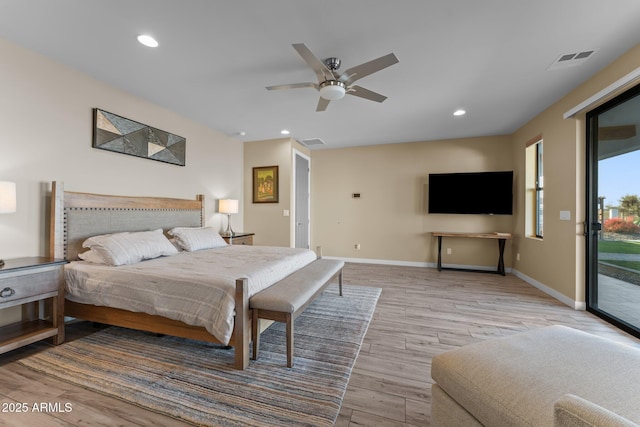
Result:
593,227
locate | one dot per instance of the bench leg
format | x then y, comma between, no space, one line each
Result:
289,340
255,334
340,282
241,325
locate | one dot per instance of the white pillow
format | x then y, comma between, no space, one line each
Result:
129,248
194,239
91,256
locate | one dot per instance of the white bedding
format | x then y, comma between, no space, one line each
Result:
196,288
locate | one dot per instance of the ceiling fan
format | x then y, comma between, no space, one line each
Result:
332,85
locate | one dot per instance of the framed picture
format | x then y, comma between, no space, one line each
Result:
121,135
265,184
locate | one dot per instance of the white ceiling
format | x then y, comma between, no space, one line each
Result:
215,58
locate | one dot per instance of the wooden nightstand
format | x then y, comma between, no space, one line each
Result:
240,239
25,282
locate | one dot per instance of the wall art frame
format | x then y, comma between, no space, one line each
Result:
265,184
121,135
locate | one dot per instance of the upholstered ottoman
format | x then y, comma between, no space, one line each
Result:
544,377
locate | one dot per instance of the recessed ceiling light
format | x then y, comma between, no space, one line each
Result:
285,132
147,40
459,113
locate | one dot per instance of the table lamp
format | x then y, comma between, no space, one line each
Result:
7,200
228,206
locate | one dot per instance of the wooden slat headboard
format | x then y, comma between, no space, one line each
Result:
78,216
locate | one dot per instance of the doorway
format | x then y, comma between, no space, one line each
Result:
612,227
302,203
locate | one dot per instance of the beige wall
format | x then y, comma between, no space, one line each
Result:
46,131
389,220
557,261
267,220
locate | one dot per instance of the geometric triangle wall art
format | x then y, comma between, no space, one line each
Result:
115,133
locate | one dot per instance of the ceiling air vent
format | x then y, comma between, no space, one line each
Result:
571,60
311,142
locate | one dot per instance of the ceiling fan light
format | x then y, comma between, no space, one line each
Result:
332,90
147,40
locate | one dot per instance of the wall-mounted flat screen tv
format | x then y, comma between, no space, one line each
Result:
488,193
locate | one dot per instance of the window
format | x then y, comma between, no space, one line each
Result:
534,188
539,190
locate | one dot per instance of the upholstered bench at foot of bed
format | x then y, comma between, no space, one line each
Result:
285,300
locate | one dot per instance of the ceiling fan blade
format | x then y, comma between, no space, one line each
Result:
363,70
322,71
322,104
365,93
294,86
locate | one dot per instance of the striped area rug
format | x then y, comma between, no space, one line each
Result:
195,381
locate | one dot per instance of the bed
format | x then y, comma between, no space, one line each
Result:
213,285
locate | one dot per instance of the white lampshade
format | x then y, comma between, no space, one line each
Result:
7,197
228,206
332,90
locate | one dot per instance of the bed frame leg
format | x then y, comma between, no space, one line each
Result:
241,328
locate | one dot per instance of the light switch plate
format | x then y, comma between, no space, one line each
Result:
565,215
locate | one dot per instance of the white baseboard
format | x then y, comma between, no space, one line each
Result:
415,264
383,261
576,305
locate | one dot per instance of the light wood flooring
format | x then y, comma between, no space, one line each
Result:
421,312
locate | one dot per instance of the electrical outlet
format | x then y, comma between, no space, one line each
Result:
448,251
357,246
518,256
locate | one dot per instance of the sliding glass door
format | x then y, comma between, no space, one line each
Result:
612,228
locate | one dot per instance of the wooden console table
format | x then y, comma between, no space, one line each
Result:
500,237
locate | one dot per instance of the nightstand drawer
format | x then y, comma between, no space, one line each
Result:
239,239
245,240
22,286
